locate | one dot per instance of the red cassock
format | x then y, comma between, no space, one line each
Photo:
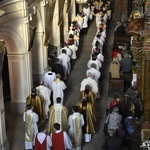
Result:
38,145
58,141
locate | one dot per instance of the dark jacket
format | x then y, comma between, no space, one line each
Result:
113,143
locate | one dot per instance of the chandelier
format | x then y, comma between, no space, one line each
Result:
81,1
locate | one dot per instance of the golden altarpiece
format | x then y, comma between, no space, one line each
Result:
139,29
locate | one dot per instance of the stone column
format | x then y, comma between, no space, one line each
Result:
66,21
39,51
73,10
20,80
55,27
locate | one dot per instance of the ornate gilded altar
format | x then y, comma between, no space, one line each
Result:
139,28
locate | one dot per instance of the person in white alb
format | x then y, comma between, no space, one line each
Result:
73,48
48,78
95,61
58,87
76,122
65,61
31,129
45,93
85,25
91,82
68,50
96,74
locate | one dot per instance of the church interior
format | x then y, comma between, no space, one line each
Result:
31,34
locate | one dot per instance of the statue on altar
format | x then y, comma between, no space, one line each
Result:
136,19
137,11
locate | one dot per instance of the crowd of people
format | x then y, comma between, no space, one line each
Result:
124,115
47,122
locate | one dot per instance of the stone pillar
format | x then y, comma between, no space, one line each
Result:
39,51
3,138
73,10
66,21
55,27
20,81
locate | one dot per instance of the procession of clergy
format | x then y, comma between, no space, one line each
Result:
44,107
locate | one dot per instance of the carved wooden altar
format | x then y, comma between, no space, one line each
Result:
140,30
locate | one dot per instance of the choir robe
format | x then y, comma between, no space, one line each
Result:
76,121
31,129
45,93
87,109
60,140
58,114
57,87
42,142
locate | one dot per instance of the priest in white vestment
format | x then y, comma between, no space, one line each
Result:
96,73
76,122
58,87
68,50
31,129
48,78
58,113
95,61
92,83
45,93
65,62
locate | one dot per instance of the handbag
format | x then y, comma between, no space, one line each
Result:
105,129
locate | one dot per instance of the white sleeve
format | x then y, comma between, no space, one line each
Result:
24,117
64,86
67,141
82,120
69,121
35,117
49,142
